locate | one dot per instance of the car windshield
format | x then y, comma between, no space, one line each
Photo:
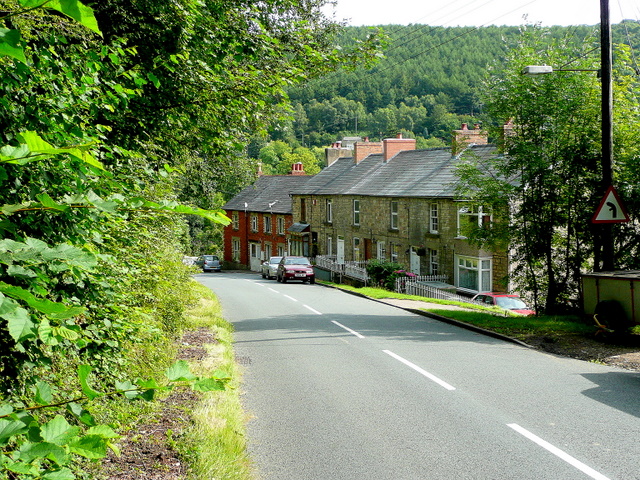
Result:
296,261
210,258
511,303
275,259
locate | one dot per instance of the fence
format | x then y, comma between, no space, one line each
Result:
355,270
417,286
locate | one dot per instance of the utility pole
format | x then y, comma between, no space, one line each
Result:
606,232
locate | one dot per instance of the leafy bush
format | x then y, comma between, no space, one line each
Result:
384,273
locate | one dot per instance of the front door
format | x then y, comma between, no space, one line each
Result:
254,257
414,261
340,250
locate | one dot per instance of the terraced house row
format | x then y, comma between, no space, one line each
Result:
378,200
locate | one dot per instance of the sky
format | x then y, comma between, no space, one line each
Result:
451,13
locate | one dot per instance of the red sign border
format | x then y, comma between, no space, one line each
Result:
620,204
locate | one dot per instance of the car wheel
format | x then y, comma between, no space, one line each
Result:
284,279
263,275
312,281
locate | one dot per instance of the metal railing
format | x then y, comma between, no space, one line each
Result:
410,286
351,269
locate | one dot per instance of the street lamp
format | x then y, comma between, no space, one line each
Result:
606,235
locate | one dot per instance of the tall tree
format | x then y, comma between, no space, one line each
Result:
549,176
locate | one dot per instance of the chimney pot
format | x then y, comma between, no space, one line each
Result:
399,135
464,126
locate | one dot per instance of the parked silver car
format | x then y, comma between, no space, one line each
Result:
209,262
269,267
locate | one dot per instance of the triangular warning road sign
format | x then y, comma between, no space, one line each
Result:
611,209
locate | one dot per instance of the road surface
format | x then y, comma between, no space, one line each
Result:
341,387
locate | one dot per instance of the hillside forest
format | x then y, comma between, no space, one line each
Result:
429,81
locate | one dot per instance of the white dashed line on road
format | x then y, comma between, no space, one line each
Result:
430,376
353,332
558,453
312,309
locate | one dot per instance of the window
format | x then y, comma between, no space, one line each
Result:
474,274
267,224
235,249
280,225
433,218
254,223
356,249
235,220
394,252
267,251
470,217
356,212
329,210
281,250
433,262
394,215
381,251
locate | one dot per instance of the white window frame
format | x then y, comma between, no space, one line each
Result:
356,211
280,222
381,251
267,223
254,222
356,249
235,249
329,211
393,252
281,249
393,208
235,220
467,213
433,218
434,261
483,266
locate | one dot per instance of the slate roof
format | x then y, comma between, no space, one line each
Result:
412,173
268,189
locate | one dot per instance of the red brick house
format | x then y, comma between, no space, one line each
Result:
261,218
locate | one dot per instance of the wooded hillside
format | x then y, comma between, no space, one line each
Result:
429,82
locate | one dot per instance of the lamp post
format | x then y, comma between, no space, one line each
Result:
606,233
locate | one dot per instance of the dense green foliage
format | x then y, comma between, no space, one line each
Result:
108,117
550,178
430,81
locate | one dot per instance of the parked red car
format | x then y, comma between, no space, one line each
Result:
508,301
295,268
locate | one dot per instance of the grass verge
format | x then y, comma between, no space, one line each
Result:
215,445
489,318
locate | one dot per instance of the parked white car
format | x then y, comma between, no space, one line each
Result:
269,268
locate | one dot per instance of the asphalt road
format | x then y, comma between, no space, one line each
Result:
341,387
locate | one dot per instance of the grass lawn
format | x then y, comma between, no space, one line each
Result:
489,318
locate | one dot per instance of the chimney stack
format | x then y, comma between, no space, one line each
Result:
392,146
464,137
297,169
362,150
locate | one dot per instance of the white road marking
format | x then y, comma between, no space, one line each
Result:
313,310
348,329
431,377
274,291
290,298
557,452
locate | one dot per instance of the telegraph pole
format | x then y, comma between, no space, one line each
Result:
606,232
